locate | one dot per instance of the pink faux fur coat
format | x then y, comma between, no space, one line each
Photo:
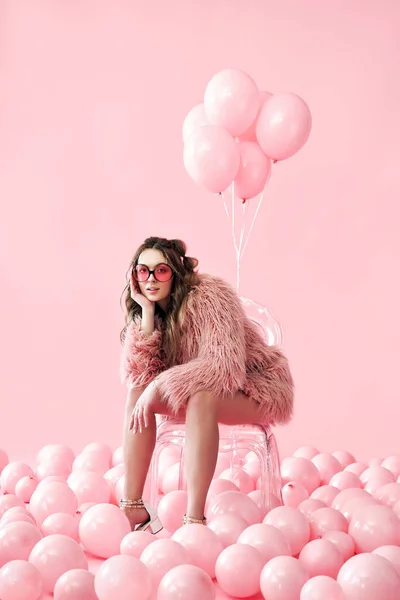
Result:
221,351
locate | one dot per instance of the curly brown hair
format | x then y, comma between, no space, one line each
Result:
185,278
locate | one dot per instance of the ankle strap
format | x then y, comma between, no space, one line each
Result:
189,521
127,503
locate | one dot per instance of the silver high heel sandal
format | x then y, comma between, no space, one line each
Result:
152,524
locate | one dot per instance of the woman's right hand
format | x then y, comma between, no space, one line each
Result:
138,297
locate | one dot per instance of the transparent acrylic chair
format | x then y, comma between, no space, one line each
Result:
233,440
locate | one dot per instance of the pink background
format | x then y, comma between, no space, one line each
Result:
92,98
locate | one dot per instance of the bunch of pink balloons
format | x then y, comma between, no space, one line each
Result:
237,131
336,535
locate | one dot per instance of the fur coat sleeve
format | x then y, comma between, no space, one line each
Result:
141,357
214,328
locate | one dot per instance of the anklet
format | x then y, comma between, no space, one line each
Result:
189,521
126,503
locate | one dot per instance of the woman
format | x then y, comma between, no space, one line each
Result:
190,351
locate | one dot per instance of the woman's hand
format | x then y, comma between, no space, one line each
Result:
138,297
141,412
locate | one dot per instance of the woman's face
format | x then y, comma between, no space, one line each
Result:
155,290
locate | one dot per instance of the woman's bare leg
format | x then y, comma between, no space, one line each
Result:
203,414
138,450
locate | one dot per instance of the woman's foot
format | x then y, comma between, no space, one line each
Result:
140,515
136,516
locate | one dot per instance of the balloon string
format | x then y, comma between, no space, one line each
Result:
255,216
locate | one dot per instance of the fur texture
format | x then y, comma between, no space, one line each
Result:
221,352
142,356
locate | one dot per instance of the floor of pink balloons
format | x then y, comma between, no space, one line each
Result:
95,563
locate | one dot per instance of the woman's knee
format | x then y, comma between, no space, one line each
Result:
203,401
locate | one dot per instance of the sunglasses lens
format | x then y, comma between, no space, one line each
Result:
163,273
141,273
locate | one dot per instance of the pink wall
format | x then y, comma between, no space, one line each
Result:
92,98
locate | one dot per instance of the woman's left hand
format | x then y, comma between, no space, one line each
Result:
141,412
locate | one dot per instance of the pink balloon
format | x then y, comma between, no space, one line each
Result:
202,544
17,541
250,134
294,494
307,507
171,510
9,501
54,497
293,524
223,463
357,468
77,584
348,494
374,525
161,556
344,480
135,542
326,493
186,581
391,553
212,158
118,456
300,470
170,479
218,486
228,528
19,580
122,577
375,461
195,119
352,505
388,494
112,476
91,461
376,474
232,100
327,466
102,529
321,588
102,451
11,474
238,570
254,170
282,578
283,126
50,479
343,542
253,468
240,478
53,556
272,502
52,450
234,503
392,464
268,540
327,519
63,524
307,452
89,487
321,557
376,478
344,458
56,465
368,577
25,487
